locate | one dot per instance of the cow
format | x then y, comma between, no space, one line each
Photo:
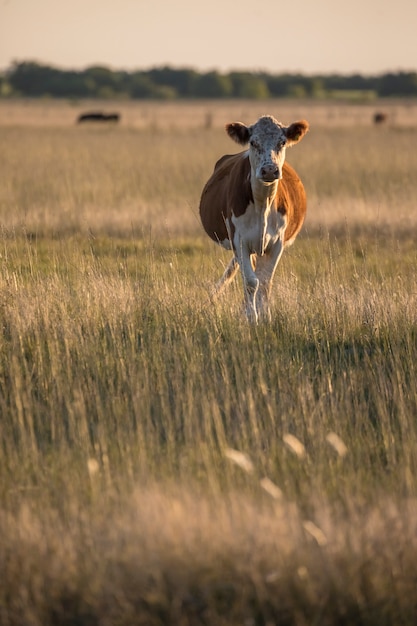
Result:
98,116
254,204
380,118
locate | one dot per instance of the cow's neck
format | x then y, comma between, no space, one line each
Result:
263,194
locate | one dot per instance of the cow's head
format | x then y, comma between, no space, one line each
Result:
268,140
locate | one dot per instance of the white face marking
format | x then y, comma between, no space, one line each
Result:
267,149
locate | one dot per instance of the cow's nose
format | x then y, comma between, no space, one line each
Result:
269,173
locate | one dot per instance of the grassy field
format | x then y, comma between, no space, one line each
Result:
162,461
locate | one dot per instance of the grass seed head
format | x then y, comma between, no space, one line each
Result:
337,444
239,458
295,445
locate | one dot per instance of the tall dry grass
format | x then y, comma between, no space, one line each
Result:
163,462
120,180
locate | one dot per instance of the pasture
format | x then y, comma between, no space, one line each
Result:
162,461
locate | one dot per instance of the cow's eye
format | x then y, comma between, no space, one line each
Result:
254,144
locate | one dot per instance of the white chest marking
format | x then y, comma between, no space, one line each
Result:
258,230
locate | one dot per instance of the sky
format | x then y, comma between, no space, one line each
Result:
307,36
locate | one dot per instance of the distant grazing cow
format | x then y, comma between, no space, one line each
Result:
380,118
98,116
255,204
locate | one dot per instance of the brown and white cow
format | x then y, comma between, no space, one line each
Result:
380,118
255,204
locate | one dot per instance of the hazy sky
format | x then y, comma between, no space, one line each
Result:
310,36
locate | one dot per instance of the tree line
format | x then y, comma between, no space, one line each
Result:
31,79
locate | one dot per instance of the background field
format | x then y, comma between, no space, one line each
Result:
162,461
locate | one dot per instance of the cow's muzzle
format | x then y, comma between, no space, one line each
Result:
270,173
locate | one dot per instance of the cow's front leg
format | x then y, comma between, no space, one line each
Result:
265,270
250,282
251,290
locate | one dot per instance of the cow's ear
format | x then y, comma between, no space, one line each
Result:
296,131
238,132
